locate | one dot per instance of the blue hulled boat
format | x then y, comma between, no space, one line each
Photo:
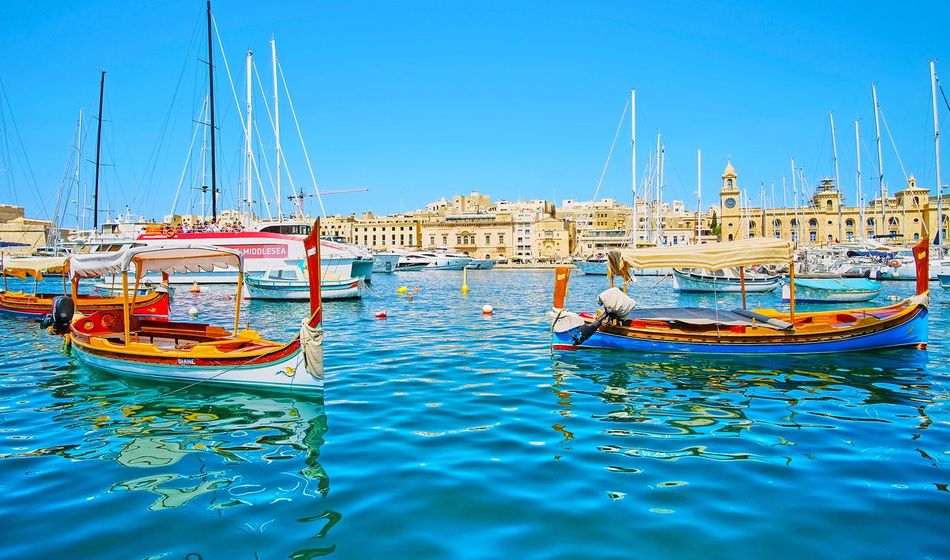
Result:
619,325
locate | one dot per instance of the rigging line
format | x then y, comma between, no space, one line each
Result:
151,164
181,178
893,144
612,146
7,155
306,155
270,176
943,94
257,173
227,70
26,158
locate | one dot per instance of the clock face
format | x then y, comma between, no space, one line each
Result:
730,203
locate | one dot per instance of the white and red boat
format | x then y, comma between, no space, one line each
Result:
262,251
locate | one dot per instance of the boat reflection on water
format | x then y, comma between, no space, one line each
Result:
659,406
200,452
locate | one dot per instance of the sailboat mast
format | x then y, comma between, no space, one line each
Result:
699,195
214,177
834,147
95,193
857,146
634,224
80,192
248,153
659,203
933,91
880,162
656,194
798,221
273,55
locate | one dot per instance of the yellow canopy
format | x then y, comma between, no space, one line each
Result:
712,256
33,266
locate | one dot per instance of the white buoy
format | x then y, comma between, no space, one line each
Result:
193,311
195,289
487,309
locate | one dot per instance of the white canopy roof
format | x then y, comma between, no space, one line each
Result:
33,266
711,256
180,259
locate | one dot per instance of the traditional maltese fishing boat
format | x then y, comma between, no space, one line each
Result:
128,344
38,304
619,325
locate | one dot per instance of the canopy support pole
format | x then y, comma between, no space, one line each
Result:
237,305
75,291
36,284
125,305
742,284
138,276
791,289
64,279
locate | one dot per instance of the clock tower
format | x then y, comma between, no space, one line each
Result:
730,204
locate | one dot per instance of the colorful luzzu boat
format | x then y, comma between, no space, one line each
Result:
763,331
832,290
38,304
127,344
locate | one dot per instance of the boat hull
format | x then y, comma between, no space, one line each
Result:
349,288
481,264
285,373
693,283
910,331
944,281
832,290
361,268
385,263
593,268
38,305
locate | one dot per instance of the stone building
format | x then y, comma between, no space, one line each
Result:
15,227
823,220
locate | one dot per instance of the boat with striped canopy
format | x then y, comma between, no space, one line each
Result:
620,325
128,344
38,304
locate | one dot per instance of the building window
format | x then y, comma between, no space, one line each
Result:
849,222
431,240
813,223
893,221
776,223
501,238
831,204
445,239
871,222
813,236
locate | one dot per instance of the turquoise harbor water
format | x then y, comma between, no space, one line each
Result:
446,434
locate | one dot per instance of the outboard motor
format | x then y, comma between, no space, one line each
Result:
617,305
61,316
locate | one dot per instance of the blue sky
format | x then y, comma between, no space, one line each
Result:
419,100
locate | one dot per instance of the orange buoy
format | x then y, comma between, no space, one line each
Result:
381,314
195,289
409,297
415,290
